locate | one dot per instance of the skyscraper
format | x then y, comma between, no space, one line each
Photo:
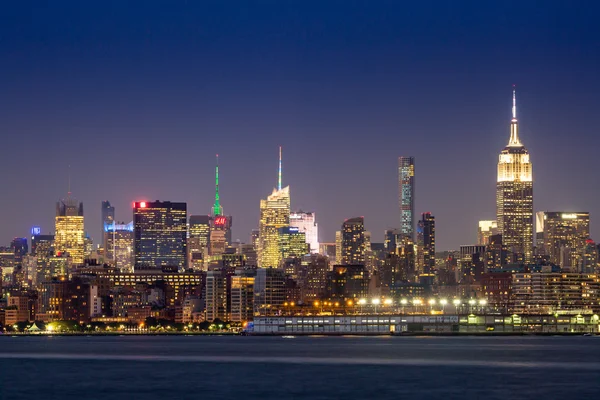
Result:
406,186
274,214
426,243
353,241
514,195
565,236
69,236
292,242
198,240
305,222
108,218
119,246
220,232
160,235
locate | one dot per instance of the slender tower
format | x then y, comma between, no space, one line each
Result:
274,215
217,209
406,195
514,195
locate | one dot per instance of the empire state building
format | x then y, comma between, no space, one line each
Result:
514,195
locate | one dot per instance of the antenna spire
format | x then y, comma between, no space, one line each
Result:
279,171
217,209
514,107
514,140
69,180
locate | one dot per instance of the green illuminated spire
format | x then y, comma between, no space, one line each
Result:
217,209
279,171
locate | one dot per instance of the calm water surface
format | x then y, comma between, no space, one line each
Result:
191,367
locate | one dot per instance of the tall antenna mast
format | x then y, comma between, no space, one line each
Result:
279,171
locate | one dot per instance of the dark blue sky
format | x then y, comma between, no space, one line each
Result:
139,96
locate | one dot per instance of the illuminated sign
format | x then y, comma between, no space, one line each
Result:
220,221
568,216
36,230
292,229
142,204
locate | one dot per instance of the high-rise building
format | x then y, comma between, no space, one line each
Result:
314,285
292,242
160,232
220,232
119,246
485,231
242,295
198,240
426,244
514,195
269,291
565,236
69,234
19,248
406,185
338,247
305,222
108,218
274,214
353,241
216,295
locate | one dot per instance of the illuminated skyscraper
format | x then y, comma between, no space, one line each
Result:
565,236
292,242
198,240
426,244
274,214
514,195
305,222
119,246
406,186
354,244
160,235
108,218
69,236
220,232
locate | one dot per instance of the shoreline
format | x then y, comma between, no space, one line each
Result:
303,334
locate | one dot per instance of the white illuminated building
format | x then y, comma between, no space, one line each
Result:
305,222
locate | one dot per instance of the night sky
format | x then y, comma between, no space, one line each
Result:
138,97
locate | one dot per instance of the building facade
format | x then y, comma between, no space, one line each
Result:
353,244
426,244
406,186
274,215
119,246
69,236
160,235
306,223
564,236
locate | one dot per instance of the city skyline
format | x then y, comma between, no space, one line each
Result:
452,119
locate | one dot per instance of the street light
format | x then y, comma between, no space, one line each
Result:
443,302
482,302
388,302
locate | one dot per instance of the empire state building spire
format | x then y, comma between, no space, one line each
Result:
217,208
514,124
